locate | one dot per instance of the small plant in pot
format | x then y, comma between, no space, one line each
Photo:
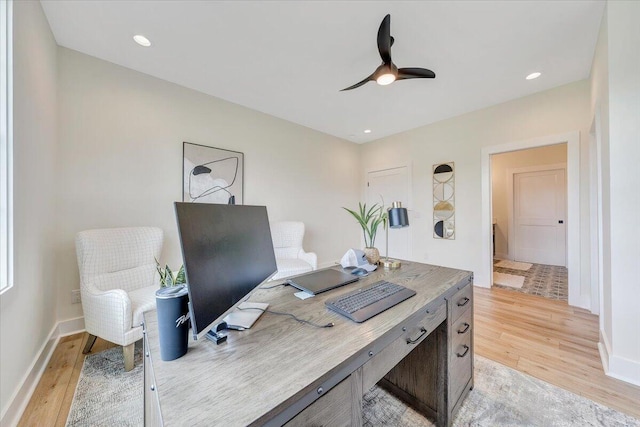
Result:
370,219
169,278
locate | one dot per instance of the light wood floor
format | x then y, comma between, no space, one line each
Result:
543,338
548,340
51,401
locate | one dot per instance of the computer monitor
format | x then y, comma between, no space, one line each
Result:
227,251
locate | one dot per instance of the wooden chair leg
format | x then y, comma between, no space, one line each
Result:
90,341
128,356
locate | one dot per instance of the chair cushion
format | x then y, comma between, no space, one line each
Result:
291,267
143,299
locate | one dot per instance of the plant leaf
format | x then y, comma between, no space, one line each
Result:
181,277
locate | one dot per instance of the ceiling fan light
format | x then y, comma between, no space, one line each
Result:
386,79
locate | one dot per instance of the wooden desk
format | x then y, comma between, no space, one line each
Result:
284,372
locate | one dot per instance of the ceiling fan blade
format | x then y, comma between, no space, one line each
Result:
384,39
370,78
415,73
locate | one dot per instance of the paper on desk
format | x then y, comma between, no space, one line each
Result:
245,317
303,295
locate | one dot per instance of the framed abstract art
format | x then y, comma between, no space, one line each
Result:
212,175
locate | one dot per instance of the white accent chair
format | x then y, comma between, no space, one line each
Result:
118,281
291,259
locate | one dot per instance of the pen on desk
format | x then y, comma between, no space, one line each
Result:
235,328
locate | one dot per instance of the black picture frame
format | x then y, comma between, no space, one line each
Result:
212,175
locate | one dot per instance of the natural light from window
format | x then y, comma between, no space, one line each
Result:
6,147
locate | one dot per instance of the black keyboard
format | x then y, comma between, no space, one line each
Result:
365,303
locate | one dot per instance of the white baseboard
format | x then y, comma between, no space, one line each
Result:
617,367
328,264
624,369
71,326
604,349
20,399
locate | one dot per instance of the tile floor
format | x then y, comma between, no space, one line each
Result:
547,281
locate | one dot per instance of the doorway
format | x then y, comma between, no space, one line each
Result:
391,185
529,207
485,276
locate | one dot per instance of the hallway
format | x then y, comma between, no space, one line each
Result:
546,281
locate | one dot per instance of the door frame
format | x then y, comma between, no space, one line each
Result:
576,297
409,201
511,226
595,208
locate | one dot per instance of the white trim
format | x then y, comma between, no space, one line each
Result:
617,367
328,264
511,228
595,213
71,326
623,369
6,149
604,349
408,203
20,399
484,277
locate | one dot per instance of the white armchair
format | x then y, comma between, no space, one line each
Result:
291,259
118,280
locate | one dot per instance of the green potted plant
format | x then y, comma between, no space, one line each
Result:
370,219
169,278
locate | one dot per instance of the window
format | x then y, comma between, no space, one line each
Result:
6,147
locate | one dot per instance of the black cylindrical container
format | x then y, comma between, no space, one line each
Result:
173,321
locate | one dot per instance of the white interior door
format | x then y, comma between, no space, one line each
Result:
391,185
540,217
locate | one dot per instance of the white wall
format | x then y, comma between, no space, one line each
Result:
120,162
460,139
28,310
500,164
600,109
624,179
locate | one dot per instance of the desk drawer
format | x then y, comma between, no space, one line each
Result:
383,362
332,409
461,301
461,356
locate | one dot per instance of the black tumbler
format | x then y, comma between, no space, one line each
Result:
172,305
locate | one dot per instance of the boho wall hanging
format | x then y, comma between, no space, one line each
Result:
444,201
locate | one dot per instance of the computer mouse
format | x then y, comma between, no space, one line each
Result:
359,272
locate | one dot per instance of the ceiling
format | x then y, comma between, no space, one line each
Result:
289,59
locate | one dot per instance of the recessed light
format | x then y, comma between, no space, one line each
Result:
367,131
142,40
533,76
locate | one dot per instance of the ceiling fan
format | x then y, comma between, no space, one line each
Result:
387,73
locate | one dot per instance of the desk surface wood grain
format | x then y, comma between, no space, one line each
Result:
259,372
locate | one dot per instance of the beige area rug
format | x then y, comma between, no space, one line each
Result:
510,280
501,397
514,265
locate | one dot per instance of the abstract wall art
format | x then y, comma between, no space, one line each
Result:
444,201
211,175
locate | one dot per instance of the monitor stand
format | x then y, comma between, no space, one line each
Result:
215,335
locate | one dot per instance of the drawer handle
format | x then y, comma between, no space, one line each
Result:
465,329
466,350
464,302
423,331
